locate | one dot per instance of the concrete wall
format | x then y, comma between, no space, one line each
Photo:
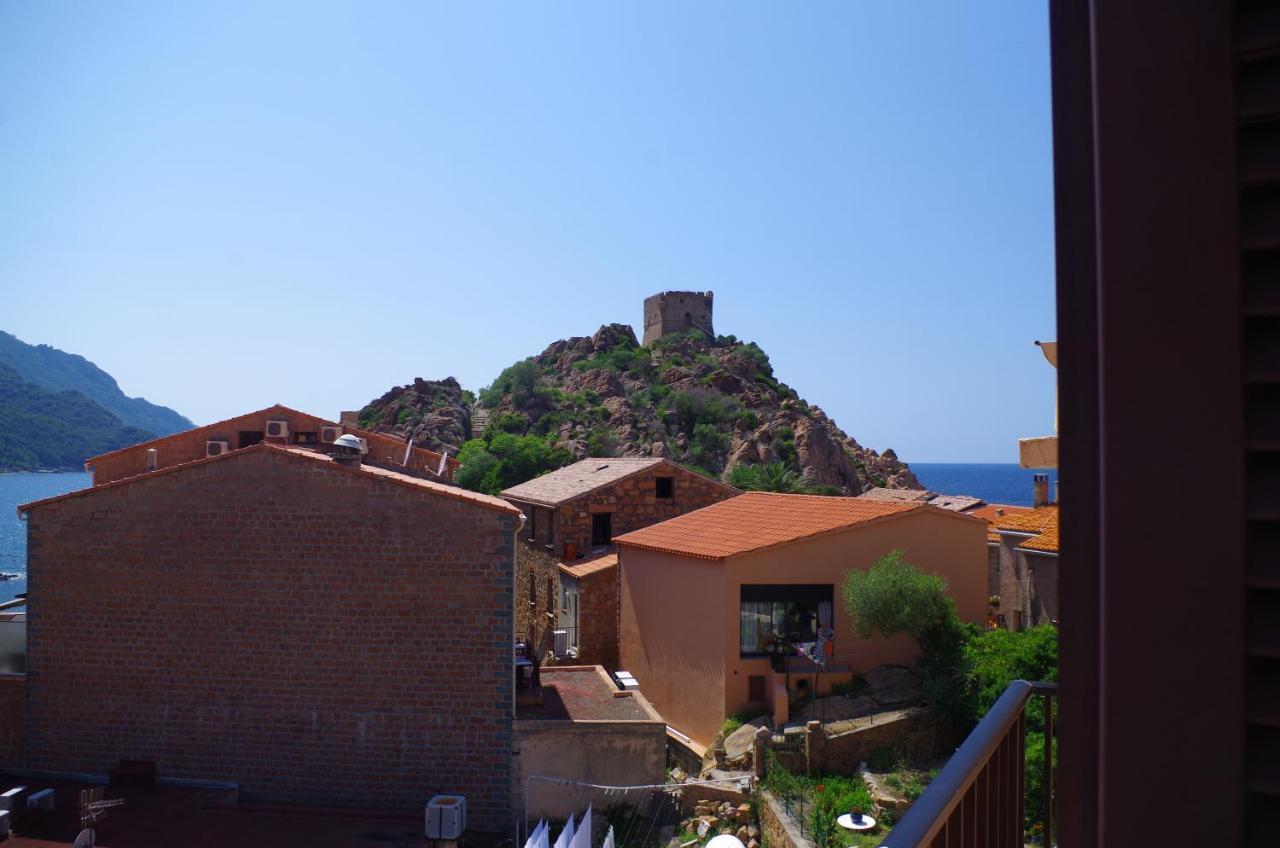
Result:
190,445
13,689
314,634
672,639
614,753
683,645
1028,585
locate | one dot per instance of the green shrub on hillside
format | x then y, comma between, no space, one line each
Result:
517,380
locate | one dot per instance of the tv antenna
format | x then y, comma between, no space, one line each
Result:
444,457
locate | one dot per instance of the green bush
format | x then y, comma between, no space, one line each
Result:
738,719
707,445
601,442
505,422
517,380
405,413
504,461
882,759
701,406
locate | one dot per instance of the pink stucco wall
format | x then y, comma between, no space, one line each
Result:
682,645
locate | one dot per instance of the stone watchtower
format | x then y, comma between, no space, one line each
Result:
676,312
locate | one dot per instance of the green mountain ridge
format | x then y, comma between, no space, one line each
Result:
57,371
40,429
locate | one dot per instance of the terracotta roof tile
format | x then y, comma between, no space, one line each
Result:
754,521
1041,521
992,512
580,478
583,567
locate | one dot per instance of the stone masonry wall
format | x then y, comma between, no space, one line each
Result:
672,312
534,566
598,618
12,696
316,635
635,504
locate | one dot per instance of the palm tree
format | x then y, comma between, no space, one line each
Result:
776,477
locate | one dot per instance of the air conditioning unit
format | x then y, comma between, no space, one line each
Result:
329,434
216,448
277,429
446,817
561,642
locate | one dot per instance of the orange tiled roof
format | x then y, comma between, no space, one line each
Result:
993,512
754,521
1041,521
431,486
583,567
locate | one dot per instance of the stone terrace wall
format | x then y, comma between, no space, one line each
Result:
843,745
776,826
13,689
233,622
635,504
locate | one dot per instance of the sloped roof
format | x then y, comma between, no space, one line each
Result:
956,503
278,409
992,513
754,521
581,478
583,567
429,486
883,495
1042,522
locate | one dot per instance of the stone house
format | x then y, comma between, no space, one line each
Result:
1025,548
314,629
574,513
711,603
276,425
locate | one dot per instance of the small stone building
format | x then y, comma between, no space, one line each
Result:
317,631
275,425
573,514
1026,553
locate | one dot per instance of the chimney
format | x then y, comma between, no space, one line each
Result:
346,450
153,459
349,419
1040,490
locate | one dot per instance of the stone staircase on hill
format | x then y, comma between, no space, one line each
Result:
479,422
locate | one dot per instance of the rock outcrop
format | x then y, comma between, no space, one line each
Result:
712,404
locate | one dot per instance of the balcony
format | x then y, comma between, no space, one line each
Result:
978,799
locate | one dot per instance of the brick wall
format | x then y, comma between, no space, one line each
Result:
12,693
190,445
317,635
635,504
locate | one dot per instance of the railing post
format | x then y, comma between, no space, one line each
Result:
1047,780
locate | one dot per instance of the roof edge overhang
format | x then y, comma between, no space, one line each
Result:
657,461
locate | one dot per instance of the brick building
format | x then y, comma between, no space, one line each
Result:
574,513
315,631
278,425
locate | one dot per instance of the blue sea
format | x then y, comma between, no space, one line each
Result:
19,489
994,482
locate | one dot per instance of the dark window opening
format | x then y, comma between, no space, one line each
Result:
306,438
601,528
755,688
773,618
665,487
250,437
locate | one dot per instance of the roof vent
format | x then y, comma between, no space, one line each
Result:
602,467
347,450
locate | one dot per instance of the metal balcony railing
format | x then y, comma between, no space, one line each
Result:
977,800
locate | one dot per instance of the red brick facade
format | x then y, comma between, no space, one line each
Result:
12,693
384,451
316,634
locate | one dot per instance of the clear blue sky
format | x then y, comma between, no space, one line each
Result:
226,205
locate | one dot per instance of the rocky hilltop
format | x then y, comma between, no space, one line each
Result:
710,403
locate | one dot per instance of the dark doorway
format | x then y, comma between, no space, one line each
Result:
250,437
601,528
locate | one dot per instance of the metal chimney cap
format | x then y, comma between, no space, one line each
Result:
347,441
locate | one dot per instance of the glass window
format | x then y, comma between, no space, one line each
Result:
773,618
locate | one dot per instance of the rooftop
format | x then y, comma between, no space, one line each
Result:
304,454
580,478
991,513
879,493
583,567
1041,523
755,521
584,693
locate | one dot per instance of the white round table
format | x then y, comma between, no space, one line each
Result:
865,822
